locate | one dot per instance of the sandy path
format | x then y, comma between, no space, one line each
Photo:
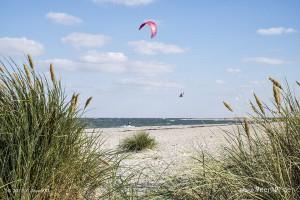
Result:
176,146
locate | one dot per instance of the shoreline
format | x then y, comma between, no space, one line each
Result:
158,127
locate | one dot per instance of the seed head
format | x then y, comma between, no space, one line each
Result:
76,99
228,106
52,73
246,127
27,72
30,61
73,103
277,96
275,82
88,101
258,102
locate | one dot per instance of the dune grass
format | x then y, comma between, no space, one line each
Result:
137,142
44,152
261,161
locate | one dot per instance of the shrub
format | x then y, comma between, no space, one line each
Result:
138,142
261,162
44,151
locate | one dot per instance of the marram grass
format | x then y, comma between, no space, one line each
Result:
44,151
137,142
45,154
228,106
261,160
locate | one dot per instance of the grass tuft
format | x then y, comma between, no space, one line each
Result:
45,152
137,142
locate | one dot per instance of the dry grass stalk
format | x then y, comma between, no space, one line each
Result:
277,97
27,72
253,107
275,82
259,103
73,103
297,102
228,106
76,99
104,162
1,69
52,73
88,101
17,78
246,127
30,61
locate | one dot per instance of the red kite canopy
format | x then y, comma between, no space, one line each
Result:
152,26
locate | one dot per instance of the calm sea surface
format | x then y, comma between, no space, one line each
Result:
136,122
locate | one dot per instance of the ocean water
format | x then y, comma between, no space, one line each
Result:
137,122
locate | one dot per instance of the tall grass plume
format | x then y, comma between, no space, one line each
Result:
44,150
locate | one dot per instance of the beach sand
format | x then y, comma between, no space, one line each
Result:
175,149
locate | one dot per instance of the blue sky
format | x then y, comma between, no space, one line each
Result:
212,50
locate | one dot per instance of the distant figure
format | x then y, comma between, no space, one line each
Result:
181,94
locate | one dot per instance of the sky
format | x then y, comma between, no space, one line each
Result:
213,50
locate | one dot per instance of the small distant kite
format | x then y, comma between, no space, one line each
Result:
181,94
152,25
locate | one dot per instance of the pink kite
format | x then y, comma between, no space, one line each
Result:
152,25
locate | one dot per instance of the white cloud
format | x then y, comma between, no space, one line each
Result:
103,57
79,40
233,70
275,31
126,2
149,68
149,83
151,48
218,81
61,63
115,62
265,60
20,46
63,18
78,65
112,62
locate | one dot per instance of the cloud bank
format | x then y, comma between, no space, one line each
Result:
63,18
87,40
265,60
275,31
152,48
20,46
126,2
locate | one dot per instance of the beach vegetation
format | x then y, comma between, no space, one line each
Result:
137,142
260,161
44,150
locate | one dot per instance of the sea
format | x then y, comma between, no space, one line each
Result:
138,122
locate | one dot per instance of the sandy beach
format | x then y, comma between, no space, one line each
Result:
175,149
